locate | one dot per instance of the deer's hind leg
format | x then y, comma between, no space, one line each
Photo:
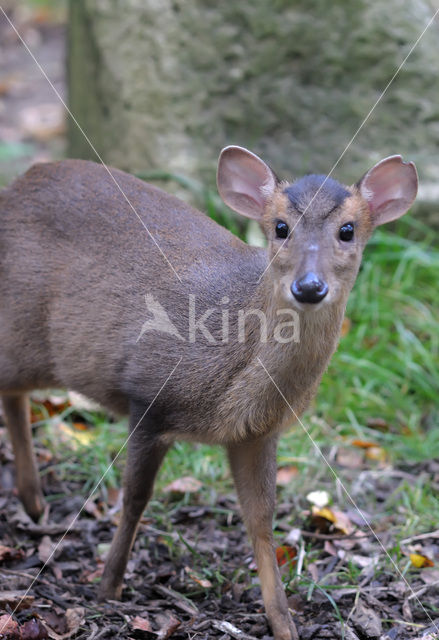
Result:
17,414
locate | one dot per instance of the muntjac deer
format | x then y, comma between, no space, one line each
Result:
179,324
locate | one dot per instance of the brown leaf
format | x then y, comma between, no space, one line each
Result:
285,475
376,453
15,599
349,458
33,630
364,444
141,624
9,629
50,406
74,619
203,582
168,624
92,576
9,553
55,619
46,549
186,484
286,555
378,423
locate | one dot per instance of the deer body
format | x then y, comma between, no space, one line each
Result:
82,283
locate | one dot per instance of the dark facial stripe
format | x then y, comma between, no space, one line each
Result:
331,195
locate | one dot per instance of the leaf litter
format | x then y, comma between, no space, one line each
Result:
193,573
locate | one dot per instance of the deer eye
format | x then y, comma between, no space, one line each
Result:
281,229
346,232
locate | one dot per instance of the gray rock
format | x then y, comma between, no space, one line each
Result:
164,84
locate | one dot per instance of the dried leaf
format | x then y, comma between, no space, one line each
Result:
168,624
74,619
141,624
33,630
364,444
376,453
285,475
378,423
203,582
55,619
339,519
420,561
186,484
46,549
286,555
15,600
8,554
9,629
326,513
92,576
349,458
50,406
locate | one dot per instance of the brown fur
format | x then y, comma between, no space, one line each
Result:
75,266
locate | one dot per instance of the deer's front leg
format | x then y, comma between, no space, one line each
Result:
254,472
145,455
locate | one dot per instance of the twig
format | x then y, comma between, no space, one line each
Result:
179,601
329,536
421,536
231,630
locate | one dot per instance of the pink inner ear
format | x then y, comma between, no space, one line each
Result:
389,188
244,181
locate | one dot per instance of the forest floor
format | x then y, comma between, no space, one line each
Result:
192,574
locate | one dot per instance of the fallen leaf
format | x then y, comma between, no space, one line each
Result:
93,509
9,629
349,458
8,554
376,453
92,576
43,122
326,513
46,549
366,621
364,444
141,624
168,624
420,561
16,600
55,619
186,484
339,520
285,475
318,498
378,423
33,630
47,407
203,582
286,555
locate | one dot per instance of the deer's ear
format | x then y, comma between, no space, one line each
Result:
389,189
244,181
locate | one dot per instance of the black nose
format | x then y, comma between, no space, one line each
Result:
309,288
